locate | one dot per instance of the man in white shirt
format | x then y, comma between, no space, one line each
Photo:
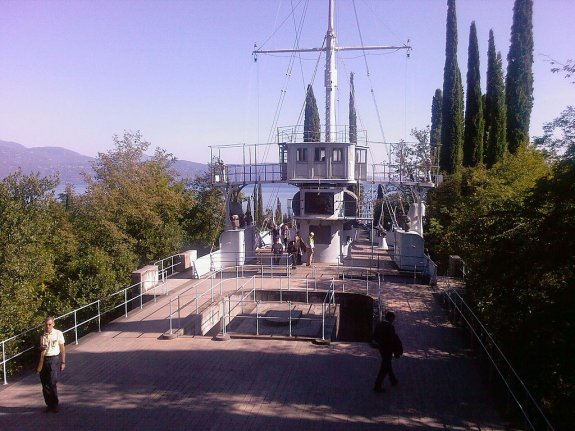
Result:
52,362
311,248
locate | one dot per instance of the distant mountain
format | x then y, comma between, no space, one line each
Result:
68,164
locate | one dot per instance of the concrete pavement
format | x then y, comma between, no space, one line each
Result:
128,378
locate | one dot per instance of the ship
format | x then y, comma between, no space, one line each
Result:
336,184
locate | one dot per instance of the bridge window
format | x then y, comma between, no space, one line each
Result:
319,155
337,154
360,156
301,154
319,203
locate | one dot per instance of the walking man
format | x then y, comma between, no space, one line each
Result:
311,242
388,344
52,361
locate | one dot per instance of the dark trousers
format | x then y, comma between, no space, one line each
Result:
49,377
296,259
277,258
384,370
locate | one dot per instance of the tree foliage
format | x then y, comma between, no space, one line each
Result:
473,138
311,125
29,245
514,225
57,254
495,110
558,138
519,84
435,132
134,202
567,68
451,152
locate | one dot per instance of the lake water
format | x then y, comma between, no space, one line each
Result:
270,193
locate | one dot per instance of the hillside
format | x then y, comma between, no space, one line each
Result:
68,164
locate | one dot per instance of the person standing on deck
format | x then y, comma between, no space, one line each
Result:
285,235
275,233
277,250
311,244
51,363
389,345
296,248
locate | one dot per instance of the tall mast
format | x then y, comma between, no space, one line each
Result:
330,76
330,67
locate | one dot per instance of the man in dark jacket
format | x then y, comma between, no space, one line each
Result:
296,249
388,344
277,250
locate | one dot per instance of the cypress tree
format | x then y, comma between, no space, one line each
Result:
260,206
473,138
278,215
311,124
519,84
452,108
352,113
495,118
435,132
255,198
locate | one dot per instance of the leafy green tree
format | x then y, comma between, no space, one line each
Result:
311,125
352,113
519,84
451,152
495,117
134,203
473,139
204,220
514,225
29,222
558,139
567,68
470,209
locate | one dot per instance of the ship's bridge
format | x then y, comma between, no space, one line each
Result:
339,162
336,162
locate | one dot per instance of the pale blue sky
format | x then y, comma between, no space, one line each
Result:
76,72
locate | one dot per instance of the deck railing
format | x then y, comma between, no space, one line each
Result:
250,297
74,321
79,320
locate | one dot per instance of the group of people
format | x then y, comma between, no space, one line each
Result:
296,248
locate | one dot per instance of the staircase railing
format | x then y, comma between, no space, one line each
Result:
517,392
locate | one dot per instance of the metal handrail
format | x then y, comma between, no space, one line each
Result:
250,297
99,313
463,306
169,269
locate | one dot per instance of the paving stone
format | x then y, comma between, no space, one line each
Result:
127,378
